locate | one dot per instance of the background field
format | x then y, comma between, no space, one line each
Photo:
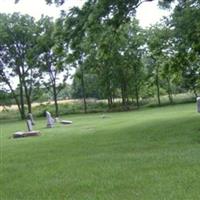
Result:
75,106
151,154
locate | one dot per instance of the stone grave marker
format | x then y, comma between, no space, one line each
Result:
198,104
30,117
65,122
30,131
29,125
50,120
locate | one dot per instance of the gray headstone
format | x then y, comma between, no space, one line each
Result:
29,125
20,134
50,120
198,104
66,122
30,117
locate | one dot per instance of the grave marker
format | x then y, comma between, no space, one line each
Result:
198,104
30,117
50,120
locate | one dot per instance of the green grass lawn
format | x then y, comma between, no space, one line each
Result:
151,154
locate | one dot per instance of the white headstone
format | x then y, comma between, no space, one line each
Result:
198,104
50,120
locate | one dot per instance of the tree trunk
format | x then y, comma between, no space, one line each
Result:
27,94
109,93
55,99
136,86
124,96
169,91
137,96
14,95
29,104
195,92
28,98
158,86
83,90
109,102
22,110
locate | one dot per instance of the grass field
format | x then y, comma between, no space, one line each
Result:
151,154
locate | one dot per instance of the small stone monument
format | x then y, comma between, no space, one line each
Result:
30,131
65,122
29,125
198,104
30,117
50,120
20,134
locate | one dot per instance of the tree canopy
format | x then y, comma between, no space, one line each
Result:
112,56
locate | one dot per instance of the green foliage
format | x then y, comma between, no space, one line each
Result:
112,56
91,85
5,98
18,35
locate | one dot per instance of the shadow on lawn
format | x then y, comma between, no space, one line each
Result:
166,130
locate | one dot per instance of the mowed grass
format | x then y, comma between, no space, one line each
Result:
151,154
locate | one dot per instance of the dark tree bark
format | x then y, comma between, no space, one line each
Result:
83,89
108,93
158,86
27,92
55,99
14,95
169,91
29,103
137,96
21,97
124,93
195,91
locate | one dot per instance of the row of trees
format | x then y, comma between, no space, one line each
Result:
29,57
129,62
113,56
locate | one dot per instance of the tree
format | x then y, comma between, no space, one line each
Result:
157,41
75,37
17,42
92,85
185,24
132,55
51,59
5,96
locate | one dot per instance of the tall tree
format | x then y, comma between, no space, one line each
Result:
157,41
51,59
186,27
17,41
75,37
